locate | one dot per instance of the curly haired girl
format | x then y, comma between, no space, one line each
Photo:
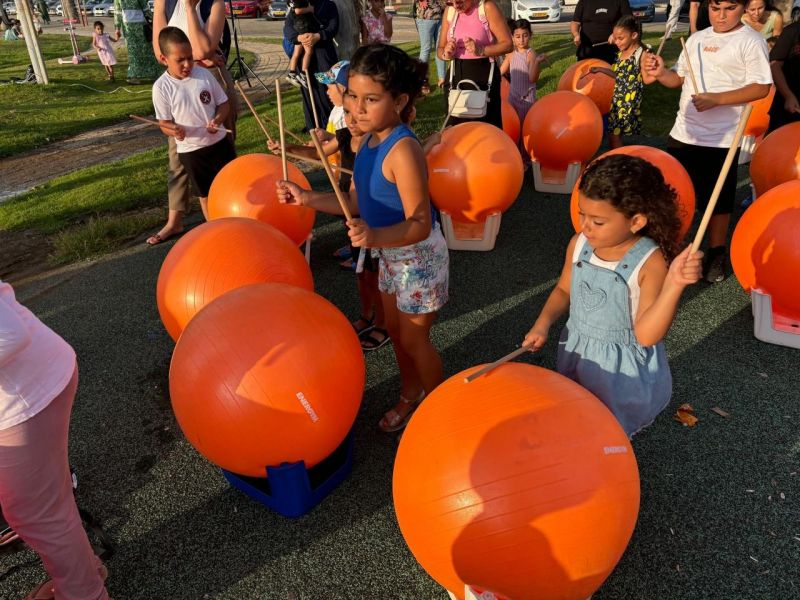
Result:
621,294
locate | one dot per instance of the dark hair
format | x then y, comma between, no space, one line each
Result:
519,24
96,23
742,2
632,185
631,24
171,36
768,6
395,70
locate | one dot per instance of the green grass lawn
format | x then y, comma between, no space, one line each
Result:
34,115
84,201
78,99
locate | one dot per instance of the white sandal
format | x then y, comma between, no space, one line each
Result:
393,421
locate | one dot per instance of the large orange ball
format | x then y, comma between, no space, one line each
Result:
266,374
505,89
596,86
758,121
521,483
765,248
561,128
245,187
475,171
220,256
511,124
673,172
777,158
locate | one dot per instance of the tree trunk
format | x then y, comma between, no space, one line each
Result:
349,35
70,10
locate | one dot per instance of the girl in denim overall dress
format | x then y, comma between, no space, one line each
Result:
622,280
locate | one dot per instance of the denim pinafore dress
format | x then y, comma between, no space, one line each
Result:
598,347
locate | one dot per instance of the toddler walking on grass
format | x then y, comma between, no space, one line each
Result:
101,42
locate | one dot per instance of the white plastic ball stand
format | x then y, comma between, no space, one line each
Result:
471,594
540,184
307,250
466,236
769,327
746,149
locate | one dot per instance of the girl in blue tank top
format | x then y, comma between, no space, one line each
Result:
396,218
621,283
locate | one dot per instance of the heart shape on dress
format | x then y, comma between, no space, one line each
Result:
591,299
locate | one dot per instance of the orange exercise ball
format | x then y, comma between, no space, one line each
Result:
505,89
511,123
220,256
777,158
599,87
265,374
765,248
673,172
475,171
521,483
758,121
561,128
245,187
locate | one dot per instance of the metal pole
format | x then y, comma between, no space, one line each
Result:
32,40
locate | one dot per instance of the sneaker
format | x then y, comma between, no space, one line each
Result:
301,80
715,264
292,78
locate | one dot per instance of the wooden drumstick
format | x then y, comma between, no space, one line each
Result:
332,179
689,67
253,110
723,174
508,357
284,164
311,98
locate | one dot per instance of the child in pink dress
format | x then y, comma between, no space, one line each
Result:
376,24
105,53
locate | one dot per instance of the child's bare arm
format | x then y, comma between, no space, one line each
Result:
170,129
219,118
535,66
743,95
557,304
505,66
660,292
659,72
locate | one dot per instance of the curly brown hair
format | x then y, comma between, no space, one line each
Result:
634,186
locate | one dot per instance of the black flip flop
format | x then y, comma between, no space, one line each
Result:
372,342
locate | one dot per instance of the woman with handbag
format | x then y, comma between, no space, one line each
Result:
474,32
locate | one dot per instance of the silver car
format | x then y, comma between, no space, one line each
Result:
537,11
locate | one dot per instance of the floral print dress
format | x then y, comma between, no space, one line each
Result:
624,118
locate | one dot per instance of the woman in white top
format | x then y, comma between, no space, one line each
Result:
38,381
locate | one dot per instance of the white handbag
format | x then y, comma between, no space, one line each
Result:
467,100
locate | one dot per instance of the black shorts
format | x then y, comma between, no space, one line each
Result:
203,164
704,165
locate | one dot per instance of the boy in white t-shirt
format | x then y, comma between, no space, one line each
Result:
731,64
191,107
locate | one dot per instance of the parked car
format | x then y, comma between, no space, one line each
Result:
247,8
277,10
102,9
541,11
59,10
10,8
644,10
795,11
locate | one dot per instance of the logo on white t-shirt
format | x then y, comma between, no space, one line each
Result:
205,97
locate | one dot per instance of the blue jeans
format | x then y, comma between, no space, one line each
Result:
428,39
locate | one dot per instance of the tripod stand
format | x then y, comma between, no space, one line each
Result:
238,67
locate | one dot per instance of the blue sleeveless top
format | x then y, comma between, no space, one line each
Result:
379,201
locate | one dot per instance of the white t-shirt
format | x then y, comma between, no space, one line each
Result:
336,120
721,62
36,364
179,20
191,103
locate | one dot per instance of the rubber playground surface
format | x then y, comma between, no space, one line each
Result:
719,514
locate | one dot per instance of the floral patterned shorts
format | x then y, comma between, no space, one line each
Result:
417,274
